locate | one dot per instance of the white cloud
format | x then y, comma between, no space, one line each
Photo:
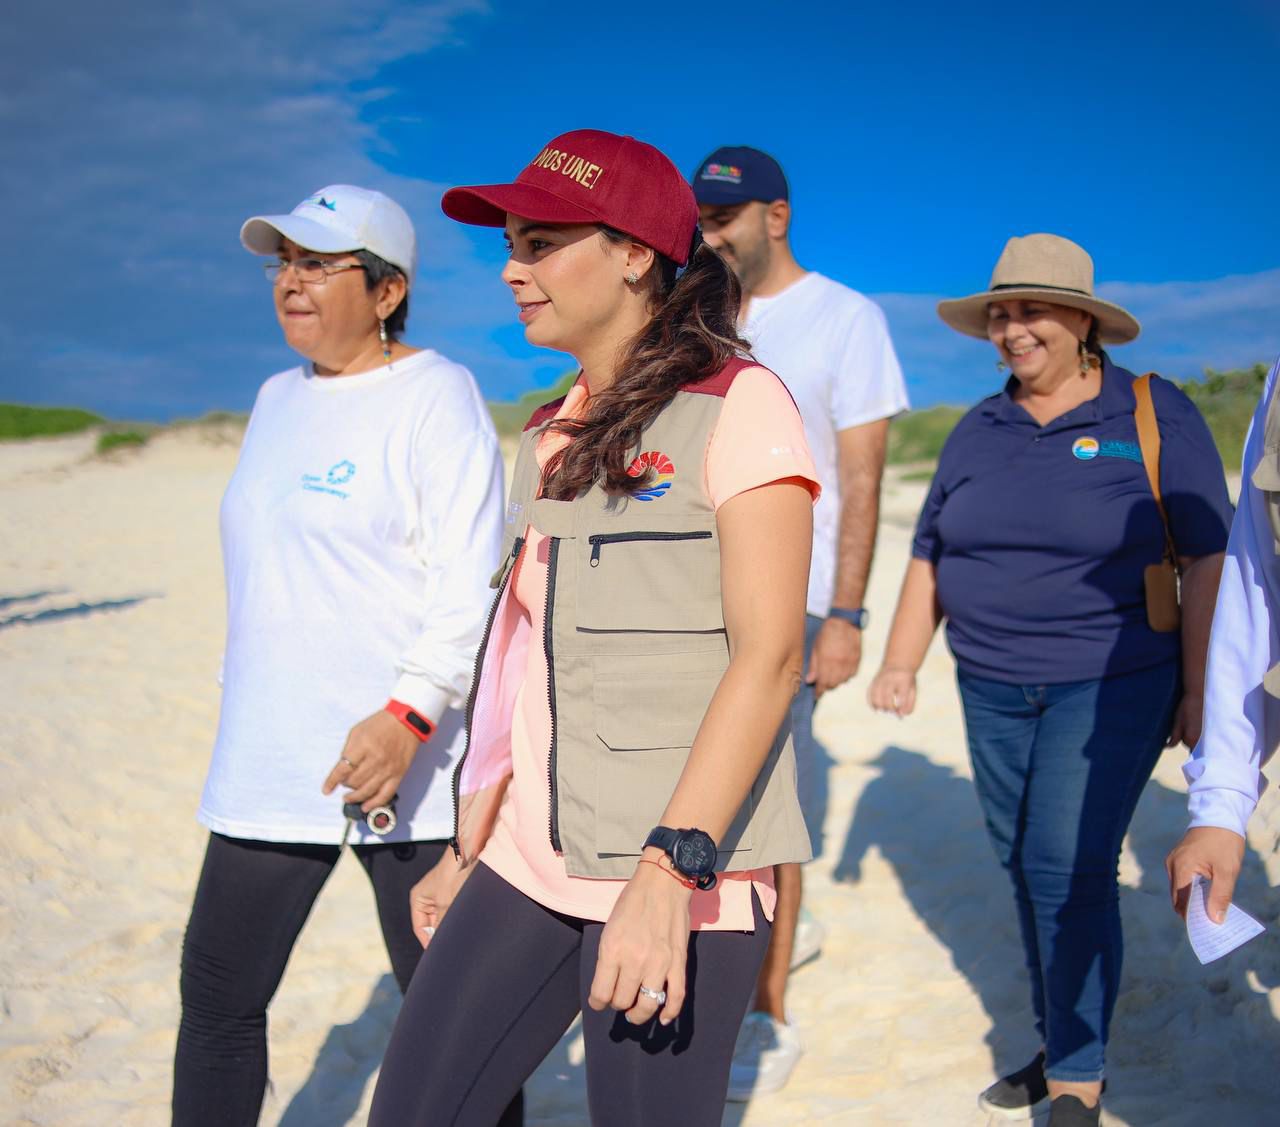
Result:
1221,323
139,137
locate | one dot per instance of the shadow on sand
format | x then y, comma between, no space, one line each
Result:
350,1055
54,614
1188,1043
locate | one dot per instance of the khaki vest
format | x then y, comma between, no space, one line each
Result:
636,647
1266,476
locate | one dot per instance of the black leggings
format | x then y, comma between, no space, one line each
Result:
250,904
515,975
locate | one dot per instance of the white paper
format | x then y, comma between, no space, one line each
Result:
1210,940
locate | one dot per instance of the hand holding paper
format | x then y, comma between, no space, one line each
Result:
1210,940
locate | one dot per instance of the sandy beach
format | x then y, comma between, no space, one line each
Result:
111,620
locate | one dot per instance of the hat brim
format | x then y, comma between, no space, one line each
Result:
968,315
722,195
262,233
487,205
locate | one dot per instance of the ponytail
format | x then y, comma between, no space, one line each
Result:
692,334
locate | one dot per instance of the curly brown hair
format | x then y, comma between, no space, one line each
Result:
692,334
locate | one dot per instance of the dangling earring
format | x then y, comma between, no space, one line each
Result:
1086,359
1001,366
386,344
632,278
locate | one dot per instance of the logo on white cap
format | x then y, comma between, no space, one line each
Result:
339,218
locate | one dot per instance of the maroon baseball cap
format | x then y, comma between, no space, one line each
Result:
588,176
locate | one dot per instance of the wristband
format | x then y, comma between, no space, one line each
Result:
418,724
690,884
858,617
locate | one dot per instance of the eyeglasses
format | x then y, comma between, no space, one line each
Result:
314,271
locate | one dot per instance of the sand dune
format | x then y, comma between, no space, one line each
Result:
111,617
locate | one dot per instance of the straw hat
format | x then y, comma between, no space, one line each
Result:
1045,268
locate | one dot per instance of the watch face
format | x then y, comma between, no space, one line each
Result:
695,853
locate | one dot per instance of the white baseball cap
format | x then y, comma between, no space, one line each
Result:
340,218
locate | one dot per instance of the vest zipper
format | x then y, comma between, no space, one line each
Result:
621,537
475,687
553,555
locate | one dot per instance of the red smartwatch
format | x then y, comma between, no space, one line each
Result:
418,724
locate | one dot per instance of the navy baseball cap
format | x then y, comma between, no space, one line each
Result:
736,174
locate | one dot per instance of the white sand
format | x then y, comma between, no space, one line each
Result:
111,617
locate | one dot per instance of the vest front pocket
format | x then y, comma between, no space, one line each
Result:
647,716
665,580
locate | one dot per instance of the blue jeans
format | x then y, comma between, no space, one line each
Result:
1058,770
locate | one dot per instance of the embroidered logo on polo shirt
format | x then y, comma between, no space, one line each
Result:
661,472
1085,448
1115,449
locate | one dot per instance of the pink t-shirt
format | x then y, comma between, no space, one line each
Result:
759,438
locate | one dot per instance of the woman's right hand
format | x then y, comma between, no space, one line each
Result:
431,897
893,690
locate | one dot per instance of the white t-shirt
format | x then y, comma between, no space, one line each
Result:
832,349
359,531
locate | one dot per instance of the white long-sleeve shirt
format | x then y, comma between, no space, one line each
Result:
1241,719
359,531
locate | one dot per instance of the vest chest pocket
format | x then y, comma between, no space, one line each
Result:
647,723
650,580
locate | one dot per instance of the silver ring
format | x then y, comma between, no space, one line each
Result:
658,996
344,759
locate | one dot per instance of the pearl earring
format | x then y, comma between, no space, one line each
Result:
386,343
632,278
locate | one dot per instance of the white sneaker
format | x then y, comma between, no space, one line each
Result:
808,939
765,1054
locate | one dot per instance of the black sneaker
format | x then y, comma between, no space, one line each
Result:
1020,1095
1070,1111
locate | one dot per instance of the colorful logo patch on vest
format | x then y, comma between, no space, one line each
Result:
1085,448
661,473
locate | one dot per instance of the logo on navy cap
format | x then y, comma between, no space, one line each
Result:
728,173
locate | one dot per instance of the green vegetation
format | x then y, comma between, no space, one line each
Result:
509,418
113,440
918,436
19,421
1227,400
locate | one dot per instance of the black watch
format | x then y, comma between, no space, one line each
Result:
692,853
858,617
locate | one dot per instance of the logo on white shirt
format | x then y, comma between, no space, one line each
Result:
339,474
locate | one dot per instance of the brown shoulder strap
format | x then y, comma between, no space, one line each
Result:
1144,416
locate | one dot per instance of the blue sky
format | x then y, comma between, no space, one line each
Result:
917,138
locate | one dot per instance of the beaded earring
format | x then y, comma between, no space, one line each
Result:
386,342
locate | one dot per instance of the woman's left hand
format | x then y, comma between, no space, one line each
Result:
1187,721
377,754
645,943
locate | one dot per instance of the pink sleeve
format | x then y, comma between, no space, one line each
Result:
759,438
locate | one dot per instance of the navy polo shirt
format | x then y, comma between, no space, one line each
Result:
1040,534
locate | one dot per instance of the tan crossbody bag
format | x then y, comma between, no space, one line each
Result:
1161,580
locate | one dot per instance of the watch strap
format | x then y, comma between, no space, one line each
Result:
666,839
857,617
418,724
